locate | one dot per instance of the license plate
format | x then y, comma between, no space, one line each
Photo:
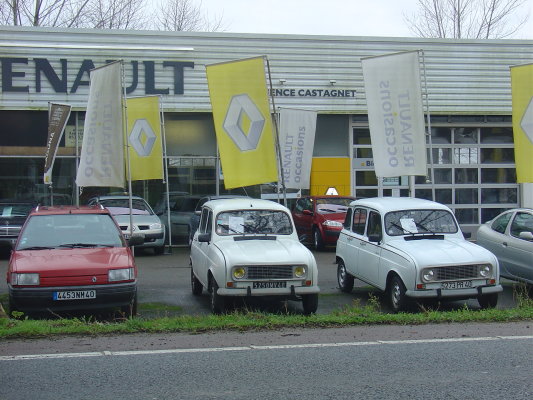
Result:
75,295
269,285
457,285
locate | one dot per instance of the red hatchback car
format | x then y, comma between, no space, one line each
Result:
72,258
319,219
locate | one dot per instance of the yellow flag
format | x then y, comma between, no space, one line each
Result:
144,138
522,92
243,124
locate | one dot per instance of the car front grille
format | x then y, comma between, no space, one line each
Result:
269,272
454,272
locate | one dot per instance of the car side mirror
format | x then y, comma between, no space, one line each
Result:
467,235
204,237
135,240
375,237
526,236
307,212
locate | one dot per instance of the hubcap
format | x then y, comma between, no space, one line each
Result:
396,295
342,275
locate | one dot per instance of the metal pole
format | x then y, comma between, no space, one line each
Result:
276,130
127,146
432,169
165,164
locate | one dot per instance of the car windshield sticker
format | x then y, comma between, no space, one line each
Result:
409,225
236,224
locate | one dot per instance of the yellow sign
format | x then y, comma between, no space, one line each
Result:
144,138
522,92
243,123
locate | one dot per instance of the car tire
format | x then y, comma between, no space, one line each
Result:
318,241
12,307
130,310
488,301
159,250
344,279
397,298
218,303
196,285
310,303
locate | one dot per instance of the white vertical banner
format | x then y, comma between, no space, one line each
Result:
395,114
102,149
297,140
57,121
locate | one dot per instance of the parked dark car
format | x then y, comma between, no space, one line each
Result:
181,210
319,219
13,214
509,237
195,218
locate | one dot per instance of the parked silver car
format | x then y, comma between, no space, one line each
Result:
145,221
509,237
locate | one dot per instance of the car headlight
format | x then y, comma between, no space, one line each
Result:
155,226
428,275
239,272
329,222
485,270
123,274
300,271
25,279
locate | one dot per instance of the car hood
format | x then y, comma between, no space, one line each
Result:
260,251
443,252
333,216
137,219
71,262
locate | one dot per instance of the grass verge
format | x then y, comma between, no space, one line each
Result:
250,320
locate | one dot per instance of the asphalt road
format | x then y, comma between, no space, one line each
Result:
165,279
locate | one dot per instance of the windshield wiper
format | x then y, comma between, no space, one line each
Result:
401,228
226,226
418,224
37,248
73,245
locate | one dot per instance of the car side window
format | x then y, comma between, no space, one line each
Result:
522,222
209,226
359,221
299,206
203,220
348,219
374,224
501,222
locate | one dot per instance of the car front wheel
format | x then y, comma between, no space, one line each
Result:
310,303
344,279
218,303
318,242
488,301
196,285
397,296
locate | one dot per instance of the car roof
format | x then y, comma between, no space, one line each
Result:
116,197
243,204
387,204
58,210
327,196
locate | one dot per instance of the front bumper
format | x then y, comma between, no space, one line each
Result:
290,290
108,296
455,293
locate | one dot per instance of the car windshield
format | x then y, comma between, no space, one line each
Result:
15,210
408,222
70,230
253,222
330,206
122,206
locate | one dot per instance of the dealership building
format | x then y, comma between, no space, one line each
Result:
467,93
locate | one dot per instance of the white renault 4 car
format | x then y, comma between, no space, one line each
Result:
249,247
413,249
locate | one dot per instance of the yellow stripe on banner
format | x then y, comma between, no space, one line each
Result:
144,138
243,123
522,93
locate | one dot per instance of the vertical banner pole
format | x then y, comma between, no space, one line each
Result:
431,165
77,162
165,169
127,145
276,130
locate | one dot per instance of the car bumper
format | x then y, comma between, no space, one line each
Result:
42,299
290,290
455,293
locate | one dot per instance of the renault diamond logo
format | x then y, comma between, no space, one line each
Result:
527,121
142,138
242,106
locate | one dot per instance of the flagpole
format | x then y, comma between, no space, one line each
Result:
432,168
165,170
126,144
276,129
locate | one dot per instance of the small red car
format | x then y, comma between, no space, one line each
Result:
319,219
72,258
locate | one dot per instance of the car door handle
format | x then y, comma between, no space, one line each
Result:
504,244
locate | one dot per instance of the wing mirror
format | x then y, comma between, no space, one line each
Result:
375,237
204,237
526,236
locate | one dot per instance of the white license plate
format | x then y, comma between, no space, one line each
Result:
457,285
75,295
269,285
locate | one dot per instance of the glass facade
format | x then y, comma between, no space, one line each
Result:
470,167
